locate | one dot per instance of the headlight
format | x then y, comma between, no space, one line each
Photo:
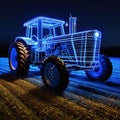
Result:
97,34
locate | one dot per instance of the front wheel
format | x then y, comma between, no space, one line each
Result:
103,72
55,74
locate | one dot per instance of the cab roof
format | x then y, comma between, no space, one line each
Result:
46,22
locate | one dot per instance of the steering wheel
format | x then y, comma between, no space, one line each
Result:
34,37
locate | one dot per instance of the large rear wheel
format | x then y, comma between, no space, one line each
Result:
55,74
19,58
103,72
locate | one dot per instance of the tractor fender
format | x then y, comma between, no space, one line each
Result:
26,40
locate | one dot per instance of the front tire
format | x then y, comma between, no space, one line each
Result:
103,72
55,74
19,60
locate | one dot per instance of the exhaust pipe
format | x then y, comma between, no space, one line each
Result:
72,25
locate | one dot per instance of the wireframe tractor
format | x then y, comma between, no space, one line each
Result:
46,44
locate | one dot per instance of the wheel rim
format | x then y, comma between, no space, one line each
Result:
97,71
51,74
13,59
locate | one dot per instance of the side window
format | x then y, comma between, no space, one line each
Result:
34,34
34,31
58,31
46,32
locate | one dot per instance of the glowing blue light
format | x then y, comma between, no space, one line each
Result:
97,34
35,43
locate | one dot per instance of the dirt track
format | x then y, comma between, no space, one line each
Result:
26,98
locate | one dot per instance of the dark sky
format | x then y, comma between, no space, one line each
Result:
103,15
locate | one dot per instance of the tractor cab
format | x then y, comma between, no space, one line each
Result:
43,27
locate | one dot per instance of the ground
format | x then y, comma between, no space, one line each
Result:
26,98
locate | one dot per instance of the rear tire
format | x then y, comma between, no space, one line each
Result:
55,74
103,72
19,58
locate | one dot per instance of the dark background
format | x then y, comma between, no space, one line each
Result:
103,15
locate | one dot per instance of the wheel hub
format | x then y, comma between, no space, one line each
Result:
51,74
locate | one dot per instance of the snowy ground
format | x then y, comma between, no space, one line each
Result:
34,71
